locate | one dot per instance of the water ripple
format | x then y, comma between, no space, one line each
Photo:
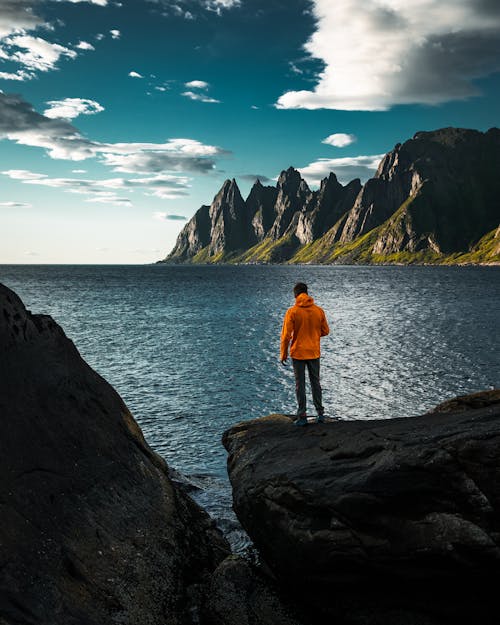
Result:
193,350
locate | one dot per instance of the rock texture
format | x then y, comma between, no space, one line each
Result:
93,531
239,594
434,199
382,521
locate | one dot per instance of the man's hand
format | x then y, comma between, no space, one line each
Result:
284,362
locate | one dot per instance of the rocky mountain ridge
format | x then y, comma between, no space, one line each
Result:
434,199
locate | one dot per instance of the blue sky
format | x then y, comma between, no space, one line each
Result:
119,119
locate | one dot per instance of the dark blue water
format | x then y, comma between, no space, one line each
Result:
193,350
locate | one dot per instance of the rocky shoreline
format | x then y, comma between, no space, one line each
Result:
393,522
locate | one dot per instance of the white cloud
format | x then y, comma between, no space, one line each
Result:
69,108
18,75
339,140
197,84
168,217
19,122
379,53
201,97
85,45
110,198
164,186
23,174
178,8
101,3
15,204
161,169
194,95
17,16
31,53
219,5
34,53
78,171
115,34
135,75
346,169
175,155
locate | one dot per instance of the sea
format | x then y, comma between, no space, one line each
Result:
193,350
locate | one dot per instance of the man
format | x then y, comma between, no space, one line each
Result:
304,324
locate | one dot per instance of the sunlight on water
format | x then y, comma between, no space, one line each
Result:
194,350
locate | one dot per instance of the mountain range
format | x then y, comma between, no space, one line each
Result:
434,199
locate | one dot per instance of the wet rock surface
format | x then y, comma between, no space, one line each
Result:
93,531
382,521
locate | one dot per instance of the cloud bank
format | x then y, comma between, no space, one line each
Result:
106,190
346,169
19,122
162,167
380,53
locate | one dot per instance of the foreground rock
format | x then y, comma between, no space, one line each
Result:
92,530
381,522
240,594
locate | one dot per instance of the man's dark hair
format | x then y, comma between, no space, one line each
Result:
299,288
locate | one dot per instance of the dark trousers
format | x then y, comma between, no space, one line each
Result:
299,369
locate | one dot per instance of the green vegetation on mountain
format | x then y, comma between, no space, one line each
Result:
434,199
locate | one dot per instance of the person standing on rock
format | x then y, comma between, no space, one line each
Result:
304,325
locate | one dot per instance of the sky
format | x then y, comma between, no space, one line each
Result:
118,120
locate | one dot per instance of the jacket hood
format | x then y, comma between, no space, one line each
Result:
303,299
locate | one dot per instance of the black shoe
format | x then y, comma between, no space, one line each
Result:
301,421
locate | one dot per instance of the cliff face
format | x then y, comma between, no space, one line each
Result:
377,521
92,530
229,221
260,203
434,198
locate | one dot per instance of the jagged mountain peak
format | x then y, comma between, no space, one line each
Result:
229,192
328,182
433,194
289,176
229,184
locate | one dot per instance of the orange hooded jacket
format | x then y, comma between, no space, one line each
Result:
304,324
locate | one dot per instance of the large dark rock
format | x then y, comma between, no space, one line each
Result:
378,521
240,594
92,529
